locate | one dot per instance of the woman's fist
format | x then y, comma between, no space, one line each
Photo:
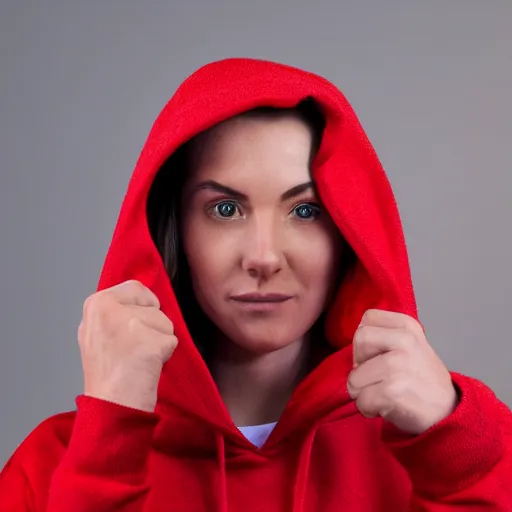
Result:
124,341
397,374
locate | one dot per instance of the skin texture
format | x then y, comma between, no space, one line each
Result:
398,375
258,240
259,237
124,340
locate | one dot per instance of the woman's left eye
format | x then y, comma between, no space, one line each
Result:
306,211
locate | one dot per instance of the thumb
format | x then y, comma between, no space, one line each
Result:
355,364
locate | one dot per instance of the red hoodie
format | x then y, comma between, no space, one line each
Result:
323,454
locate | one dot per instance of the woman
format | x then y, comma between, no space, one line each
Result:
254,342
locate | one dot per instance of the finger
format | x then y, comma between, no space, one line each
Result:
154,318
373,371
134,293
164,344
370,341
372,401
391,319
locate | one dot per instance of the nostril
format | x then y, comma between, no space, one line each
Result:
253,272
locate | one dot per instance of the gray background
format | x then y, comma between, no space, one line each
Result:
82,82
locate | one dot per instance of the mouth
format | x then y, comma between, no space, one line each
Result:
261,303
261,298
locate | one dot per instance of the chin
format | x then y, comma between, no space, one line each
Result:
265,341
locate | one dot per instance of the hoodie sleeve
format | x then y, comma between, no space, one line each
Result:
15,494
103,469
464,460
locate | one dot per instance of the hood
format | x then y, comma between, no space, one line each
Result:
355,190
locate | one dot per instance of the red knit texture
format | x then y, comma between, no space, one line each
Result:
323,455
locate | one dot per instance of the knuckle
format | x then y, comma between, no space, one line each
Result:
95,305
365,404
413,328
169,325
135,285
133,324
89,304
80,332
352,379
163,321
361,335
364,338
105,311
170,344
362,399
395,389
168,320
368,315
407,339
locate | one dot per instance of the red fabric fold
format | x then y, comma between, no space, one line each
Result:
323,455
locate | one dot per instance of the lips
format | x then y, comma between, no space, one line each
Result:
261,298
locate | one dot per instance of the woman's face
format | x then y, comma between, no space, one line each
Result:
262,251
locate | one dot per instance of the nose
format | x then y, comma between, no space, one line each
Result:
262,254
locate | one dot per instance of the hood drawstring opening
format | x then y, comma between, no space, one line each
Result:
301,479
222,498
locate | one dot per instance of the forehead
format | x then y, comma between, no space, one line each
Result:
246,148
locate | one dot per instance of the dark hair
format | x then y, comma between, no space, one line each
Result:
163,208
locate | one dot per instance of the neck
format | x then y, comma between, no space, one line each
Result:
257,387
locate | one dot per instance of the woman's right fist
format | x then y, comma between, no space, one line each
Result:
124,341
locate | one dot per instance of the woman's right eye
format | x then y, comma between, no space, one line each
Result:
224,210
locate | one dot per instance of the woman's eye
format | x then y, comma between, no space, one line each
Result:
306,211
224,210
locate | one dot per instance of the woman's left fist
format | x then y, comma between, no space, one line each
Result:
397,374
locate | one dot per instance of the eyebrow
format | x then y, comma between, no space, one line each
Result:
240,196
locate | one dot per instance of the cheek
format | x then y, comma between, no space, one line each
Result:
208,254
318,260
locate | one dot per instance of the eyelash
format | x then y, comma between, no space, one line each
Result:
212,210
